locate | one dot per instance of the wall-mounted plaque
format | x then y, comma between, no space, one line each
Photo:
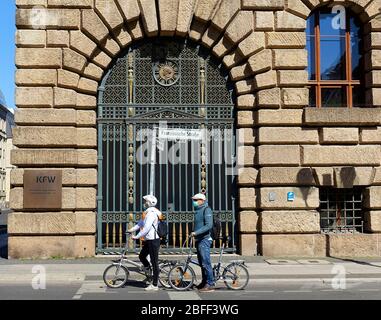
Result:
42,189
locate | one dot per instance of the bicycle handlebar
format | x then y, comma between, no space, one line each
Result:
224,240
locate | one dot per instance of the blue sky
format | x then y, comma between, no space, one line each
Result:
7,50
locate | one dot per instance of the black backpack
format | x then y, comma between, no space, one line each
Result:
162,229
216,228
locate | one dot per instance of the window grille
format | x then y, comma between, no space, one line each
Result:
341,210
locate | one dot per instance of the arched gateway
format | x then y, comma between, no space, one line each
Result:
164,84
294,157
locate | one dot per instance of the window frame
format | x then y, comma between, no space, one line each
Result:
340,196
318,84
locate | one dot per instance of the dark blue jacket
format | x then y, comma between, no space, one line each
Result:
203,222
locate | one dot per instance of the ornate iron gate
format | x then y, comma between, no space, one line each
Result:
174,84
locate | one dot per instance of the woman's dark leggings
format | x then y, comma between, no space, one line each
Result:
151,248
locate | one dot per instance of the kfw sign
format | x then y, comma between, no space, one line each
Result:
42,189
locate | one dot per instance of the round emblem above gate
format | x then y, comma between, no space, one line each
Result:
166,73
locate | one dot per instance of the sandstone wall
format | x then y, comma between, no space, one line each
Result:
64,48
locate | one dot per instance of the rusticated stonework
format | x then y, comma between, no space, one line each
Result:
65,47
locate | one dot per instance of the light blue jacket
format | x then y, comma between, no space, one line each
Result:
203,222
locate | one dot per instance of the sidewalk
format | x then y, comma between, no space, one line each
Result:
260,269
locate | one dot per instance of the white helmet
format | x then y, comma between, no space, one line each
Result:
151,200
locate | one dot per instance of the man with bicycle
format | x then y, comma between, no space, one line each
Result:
203,224
148,230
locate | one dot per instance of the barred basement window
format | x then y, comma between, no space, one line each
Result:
341,210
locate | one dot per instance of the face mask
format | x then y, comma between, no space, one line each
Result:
195,204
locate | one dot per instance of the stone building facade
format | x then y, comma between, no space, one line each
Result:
293,151
6,145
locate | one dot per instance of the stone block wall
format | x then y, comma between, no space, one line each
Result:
64,48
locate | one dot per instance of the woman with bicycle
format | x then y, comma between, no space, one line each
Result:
148,230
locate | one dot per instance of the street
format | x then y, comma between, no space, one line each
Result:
95,289
270,279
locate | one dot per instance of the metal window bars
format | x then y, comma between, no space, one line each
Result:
341,210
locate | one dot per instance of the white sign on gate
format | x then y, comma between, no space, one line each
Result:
180,134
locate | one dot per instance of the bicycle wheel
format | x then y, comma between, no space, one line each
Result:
236,276
115,276
179,279
165,268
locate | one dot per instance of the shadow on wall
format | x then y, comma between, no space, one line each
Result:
347,177
343,177
305,178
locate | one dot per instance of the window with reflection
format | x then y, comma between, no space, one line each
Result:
335,53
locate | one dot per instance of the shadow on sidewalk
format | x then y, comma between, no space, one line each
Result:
364,263
136,284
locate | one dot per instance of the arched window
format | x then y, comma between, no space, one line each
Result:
335,66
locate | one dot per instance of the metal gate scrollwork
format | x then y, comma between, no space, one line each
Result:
175,84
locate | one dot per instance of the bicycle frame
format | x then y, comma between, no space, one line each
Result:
217,266
123,260
122,264
190,260
228,273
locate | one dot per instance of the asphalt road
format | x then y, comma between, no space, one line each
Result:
94,289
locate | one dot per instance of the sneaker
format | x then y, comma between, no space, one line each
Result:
151,287
207,288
